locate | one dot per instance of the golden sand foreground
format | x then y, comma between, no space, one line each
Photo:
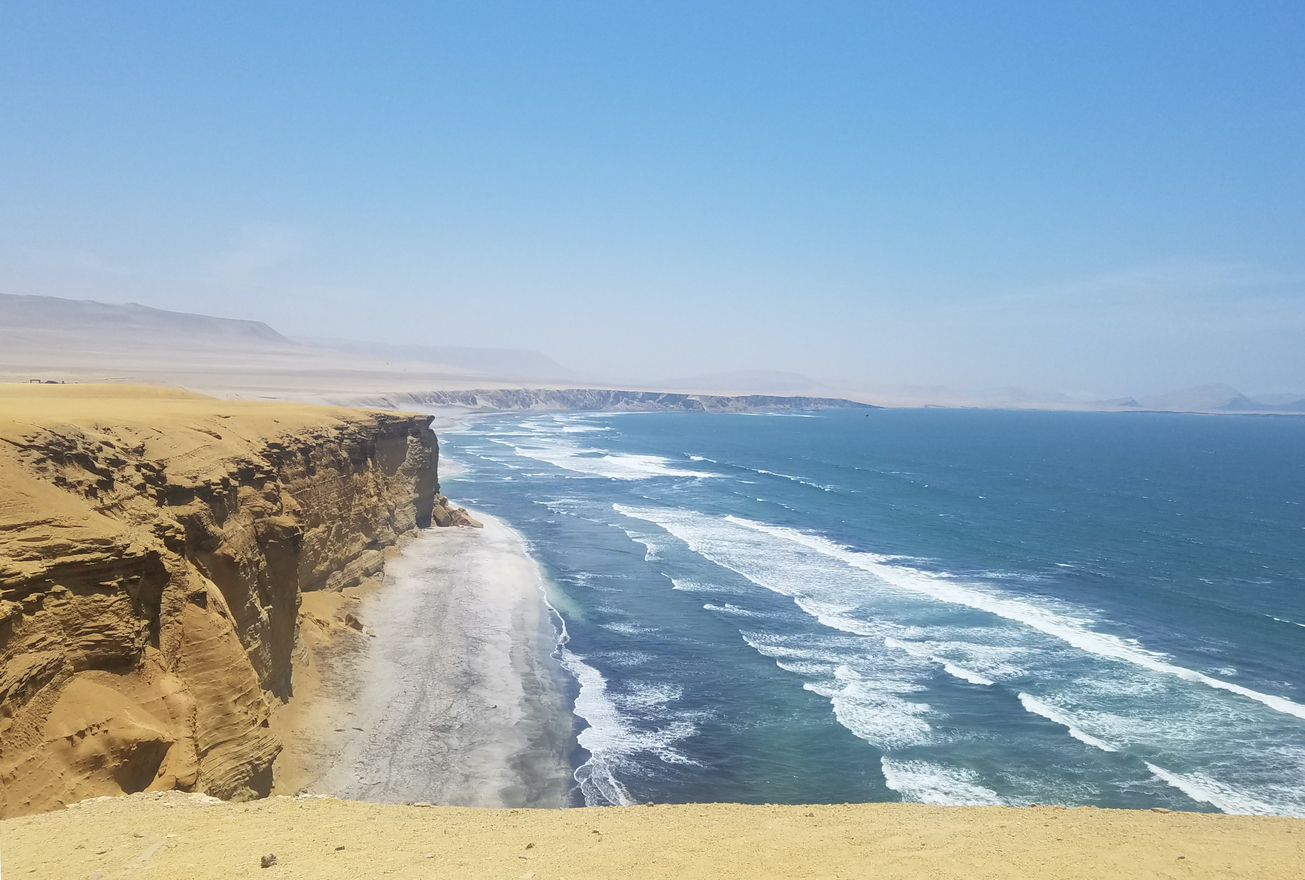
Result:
176,835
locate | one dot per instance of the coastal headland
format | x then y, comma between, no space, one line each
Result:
155,546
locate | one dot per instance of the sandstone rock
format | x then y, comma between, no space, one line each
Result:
267,861
444,515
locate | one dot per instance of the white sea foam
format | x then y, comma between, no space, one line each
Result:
1059,622
597,776
820,486
917,650
1200,787
835,616
609,738
873,712
567,455
1059,716
629,629
965,674
561,504
870,705
976,663
777,647
689,586
651,548
913,650
926,782
647,695
628,659
734,610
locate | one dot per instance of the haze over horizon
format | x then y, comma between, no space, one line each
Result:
1092,198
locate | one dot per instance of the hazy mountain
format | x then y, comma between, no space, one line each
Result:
1289,402
69,316
503,363
1210,398
1201,398
53,339
746,382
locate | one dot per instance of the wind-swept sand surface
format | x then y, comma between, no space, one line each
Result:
450,696
174,835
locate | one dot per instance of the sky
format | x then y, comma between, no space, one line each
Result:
1101,198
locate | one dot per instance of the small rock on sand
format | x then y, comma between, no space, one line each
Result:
268,860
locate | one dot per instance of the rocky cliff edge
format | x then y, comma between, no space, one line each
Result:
154,546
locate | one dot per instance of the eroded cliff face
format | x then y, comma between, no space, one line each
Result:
153,552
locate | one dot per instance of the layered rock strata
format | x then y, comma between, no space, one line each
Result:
154,548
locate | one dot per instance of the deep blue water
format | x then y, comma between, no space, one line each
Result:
930,605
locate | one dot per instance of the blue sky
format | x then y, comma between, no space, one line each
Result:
1092,197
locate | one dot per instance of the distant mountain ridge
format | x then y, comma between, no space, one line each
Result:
503,363
1210,398
747,382
46,331
50,313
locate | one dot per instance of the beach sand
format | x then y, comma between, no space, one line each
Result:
449,695
175,835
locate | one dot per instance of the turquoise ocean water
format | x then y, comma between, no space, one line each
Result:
944,606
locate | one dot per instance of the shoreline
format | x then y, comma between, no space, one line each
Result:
449,694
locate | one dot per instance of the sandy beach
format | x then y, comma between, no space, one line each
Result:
449,695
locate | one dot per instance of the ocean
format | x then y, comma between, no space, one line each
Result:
939,606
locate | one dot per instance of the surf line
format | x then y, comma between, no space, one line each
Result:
1101,644
916,581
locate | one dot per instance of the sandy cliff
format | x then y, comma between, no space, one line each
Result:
154,546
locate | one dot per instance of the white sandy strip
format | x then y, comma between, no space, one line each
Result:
459,699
